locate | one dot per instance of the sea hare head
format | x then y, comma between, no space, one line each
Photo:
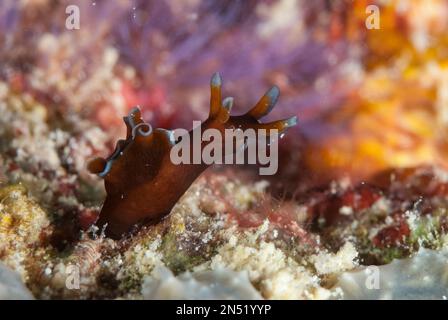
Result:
134,163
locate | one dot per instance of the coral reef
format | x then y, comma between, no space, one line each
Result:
422,276
11,286
220,284
361,182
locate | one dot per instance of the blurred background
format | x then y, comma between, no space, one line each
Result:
367,99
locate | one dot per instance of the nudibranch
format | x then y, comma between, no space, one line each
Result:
141,181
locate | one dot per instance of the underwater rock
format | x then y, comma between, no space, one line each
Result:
423,276
11,286
216,284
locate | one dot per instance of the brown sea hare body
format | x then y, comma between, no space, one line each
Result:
141,181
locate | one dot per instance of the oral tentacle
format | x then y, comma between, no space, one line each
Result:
265,105
215,95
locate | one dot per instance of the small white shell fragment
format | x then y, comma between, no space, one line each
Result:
217,284
11,286
423,276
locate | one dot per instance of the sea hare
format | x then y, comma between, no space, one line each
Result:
141,181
